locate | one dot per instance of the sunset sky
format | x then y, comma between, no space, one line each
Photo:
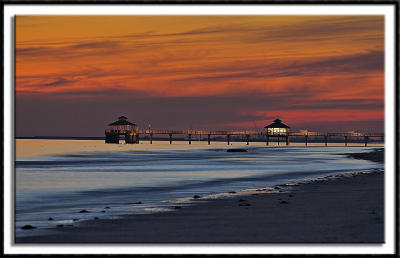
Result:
76,74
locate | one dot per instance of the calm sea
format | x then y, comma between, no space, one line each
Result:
59,178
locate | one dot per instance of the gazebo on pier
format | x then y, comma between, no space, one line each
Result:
122,127
277,129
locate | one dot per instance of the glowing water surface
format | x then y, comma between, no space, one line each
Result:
59,178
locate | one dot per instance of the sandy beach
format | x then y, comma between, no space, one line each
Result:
347,209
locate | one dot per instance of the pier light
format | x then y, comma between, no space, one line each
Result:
277,128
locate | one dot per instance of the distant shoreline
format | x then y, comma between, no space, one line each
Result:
181,139
59,138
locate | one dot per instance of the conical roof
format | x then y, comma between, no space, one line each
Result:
122,120
277,124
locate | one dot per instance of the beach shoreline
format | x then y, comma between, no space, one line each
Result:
341,209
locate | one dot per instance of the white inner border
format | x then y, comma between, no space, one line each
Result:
387,10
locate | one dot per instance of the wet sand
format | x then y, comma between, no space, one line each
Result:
337,210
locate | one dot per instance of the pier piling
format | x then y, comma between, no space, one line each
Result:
345,140
326,140
170,138
228,139
287,140
209,138
131,137
151,138
190,139
112,138
247,139
306,139
366,140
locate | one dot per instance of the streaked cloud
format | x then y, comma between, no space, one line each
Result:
239,69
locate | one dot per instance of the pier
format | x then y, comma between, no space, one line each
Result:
131,134
249,134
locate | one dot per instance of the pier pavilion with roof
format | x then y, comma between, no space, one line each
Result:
122,127
277,129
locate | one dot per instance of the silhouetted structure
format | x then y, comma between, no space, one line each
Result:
122,127
277,128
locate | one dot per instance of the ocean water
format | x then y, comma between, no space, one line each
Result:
60,178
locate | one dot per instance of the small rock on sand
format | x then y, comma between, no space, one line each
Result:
244,204
196,196
283,202
83,211
177,207
95,218
107,207
50,218
60,225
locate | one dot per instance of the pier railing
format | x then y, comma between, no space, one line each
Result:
134,134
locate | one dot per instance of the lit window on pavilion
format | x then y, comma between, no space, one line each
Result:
277,128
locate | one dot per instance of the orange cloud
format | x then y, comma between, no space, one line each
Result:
296,60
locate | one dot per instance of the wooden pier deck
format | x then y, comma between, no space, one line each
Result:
276,130
249,134
227,132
